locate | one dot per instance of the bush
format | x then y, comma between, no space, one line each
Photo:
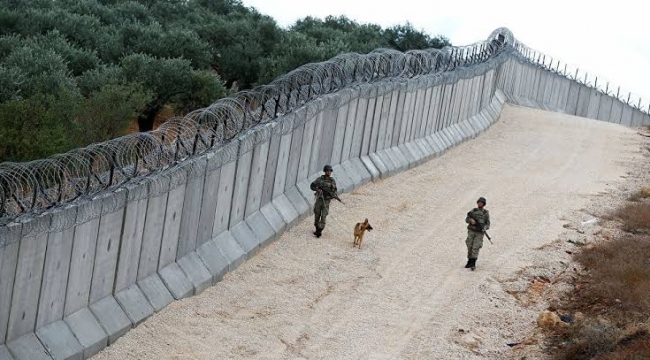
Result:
635,217
43,125
619,270
590,339
45,71
37,127
107,113
614,296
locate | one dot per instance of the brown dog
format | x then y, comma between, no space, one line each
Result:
359,230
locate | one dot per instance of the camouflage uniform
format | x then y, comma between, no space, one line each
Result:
321,208
474,240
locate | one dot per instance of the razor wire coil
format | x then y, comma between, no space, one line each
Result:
164,157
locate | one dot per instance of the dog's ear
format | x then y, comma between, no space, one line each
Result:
366,221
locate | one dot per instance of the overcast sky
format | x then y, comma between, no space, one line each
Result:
611,40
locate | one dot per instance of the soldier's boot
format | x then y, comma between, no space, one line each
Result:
473,265
469,263
318,232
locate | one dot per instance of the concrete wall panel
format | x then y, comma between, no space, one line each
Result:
55,276
637,118
224,198
131,238
327,142
572,98
383,122
305,153
375,126
9,245
256,182
106,253
359,124
617,111
209,203
27,286
81,266
626,116
584,94
294,157
390,124
594,104
349,130
240,191
152,236
399,115
314,165
191,209
605,108
339,134
283,163
171,231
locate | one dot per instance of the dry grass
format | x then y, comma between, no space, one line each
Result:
614,295
635,216
615,298
602,341
619,273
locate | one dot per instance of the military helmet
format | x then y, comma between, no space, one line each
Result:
328,167
481,199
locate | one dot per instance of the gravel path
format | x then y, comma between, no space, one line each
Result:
405,294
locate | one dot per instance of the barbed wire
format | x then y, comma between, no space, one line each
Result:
573,72
161,158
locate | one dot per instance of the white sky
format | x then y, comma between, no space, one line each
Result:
609,39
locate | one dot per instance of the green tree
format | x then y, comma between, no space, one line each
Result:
174,43
11,80
78,71
239,44
405,37
295,50
78,59
93,80
45,71
170,81
108,112
37,127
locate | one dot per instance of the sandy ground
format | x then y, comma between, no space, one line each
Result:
405,294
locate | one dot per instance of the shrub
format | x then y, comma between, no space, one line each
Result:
635,217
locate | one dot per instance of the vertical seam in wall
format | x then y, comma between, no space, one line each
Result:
180,223
365,122
11,300
146,216
119,246
40,287
92,271
65,291
162,234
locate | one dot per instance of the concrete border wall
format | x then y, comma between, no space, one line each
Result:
67,294
528,84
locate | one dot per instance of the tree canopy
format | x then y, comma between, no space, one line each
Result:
73,72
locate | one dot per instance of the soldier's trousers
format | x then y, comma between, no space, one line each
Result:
321,209
474,243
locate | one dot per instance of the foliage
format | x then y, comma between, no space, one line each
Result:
78,71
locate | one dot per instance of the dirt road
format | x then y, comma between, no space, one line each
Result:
406,293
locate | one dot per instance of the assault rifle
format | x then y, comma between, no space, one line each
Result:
480,227
326,192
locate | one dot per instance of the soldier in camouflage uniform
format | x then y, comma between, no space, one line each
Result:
475,231
325,188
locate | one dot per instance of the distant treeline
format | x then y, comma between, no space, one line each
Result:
74,72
